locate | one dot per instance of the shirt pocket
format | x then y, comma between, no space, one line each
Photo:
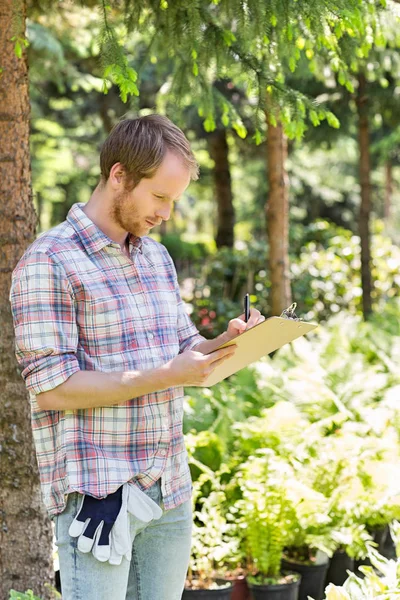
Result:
106,325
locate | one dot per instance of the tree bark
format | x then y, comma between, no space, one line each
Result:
387,212
219,152
365,204
277,212
25,530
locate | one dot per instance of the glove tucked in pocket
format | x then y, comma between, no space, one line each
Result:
102,525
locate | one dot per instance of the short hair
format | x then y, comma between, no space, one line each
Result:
140,146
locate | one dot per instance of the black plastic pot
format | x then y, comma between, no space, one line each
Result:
220,594
284,591
379,536
312,578
389,549
339,565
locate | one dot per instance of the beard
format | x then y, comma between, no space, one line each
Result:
126,216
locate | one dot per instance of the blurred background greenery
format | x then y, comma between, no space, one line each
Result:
71,116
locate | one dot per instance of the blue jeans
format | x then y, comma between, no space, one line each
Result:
157,571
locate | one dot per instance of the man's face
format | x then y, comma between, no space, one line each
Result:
151,201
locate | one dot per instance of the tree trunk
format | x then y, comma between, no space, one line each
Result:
277,212
387,213
365,204
25,531
219,152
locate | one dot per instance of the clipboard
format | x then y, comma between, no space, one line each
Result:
253,344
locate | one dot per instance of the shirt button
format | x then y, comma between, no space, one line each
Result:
163,452
151,335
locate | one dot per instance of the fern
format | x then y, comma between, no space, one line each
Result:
266,514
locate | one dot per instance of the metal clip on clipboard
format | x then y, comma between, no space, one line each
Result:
289,313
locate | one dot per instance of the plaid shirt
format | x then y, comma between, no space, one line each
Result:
79,303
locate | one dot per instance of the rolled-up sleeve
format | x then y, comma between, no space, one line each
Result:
43,309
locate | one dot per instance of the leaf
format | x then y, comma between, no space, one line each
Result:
314,118
18,49
195,69
240,129
334,593
349,86
333,121
229,37
225,120
272,120
257,137
209,123
273,20
300,43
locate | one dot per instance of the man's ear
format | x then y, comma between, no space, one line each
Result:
117,175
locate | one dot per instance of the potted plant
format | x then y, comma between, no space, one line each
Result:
210,547
311,543
381,580
264,515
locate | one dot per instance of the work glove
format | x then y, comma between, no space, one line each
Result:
93,523
143,509
102,525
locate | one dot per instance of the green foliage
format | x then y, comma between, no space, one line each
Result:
380,581
212,546
325,277
265,513
20,43
222,283
180,250
29,595
205,450
332,441
269,40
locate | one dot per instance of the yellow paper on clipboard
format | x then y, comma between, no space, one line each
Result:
260,340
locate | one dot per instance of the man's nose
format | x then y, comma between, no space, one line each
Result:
164,212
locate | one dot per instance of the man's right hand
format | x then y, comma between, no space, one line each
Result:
192,368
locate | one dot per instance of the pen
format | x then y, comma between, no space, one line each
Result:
246,307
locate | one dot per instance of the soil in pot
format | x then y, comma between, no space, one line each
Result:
276,591
312,578
221,593
339,564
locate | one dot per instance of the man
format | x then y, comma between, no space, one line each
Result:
106,347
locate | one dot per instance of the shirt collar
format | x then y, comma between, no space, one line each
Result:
93,238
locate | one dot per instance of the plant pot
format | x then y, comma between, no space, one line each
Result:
312,578
219,594
282,591
379,536
339,565
240,590
360,563
389,549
